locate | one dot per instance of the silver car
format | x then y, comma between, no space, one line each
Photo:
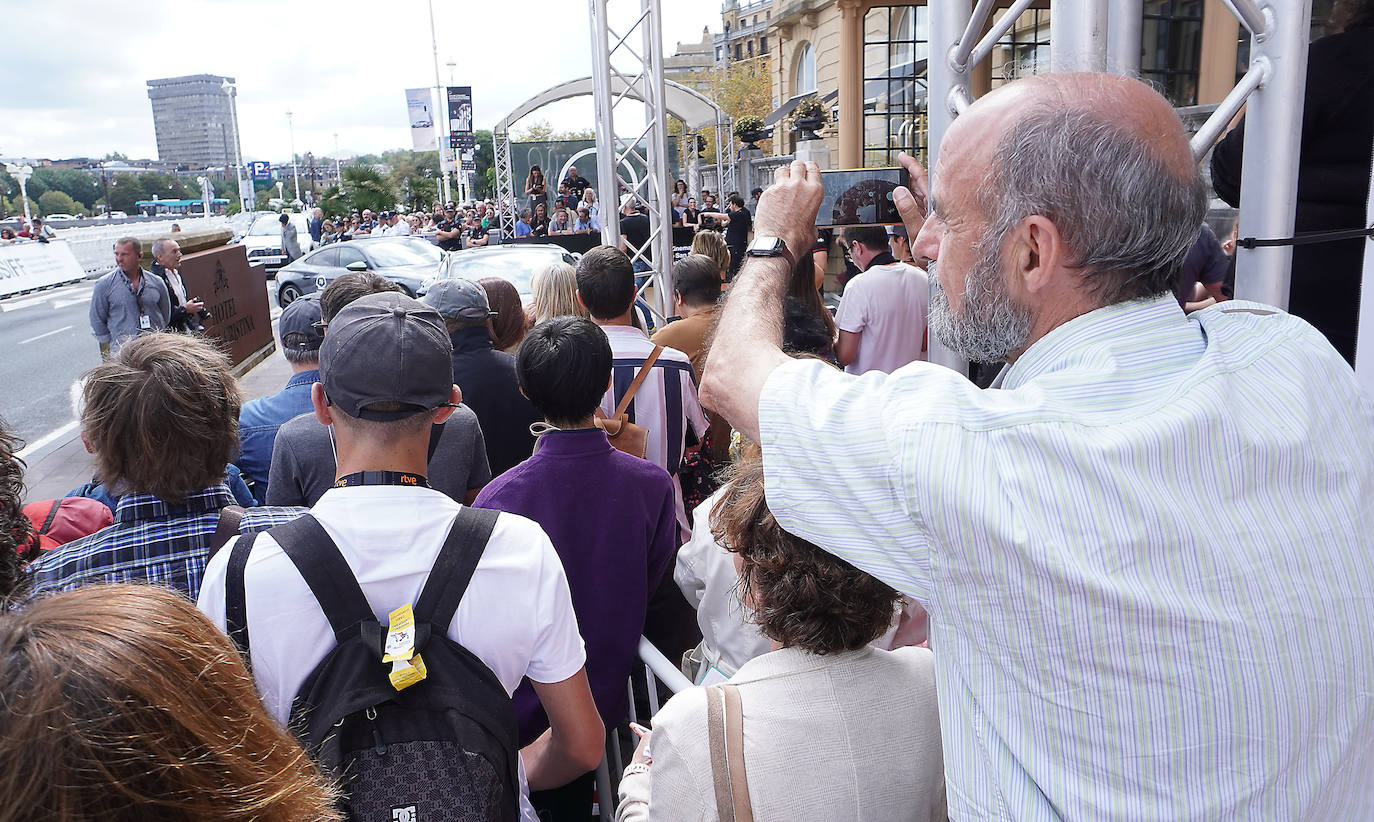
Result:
406,261
263,240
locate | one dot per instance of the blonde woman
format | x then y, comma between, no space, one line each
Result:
555,294
712,244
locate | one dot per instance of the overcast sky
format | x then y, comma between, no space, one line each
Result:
75,71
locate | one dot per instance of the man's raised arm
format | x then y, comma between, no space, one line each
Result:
748,343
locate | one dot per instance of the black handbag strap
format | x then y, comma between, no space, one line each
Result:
235,596
226,528
324,569
453,568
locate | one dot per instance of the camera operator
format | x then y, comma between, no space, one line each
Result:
188,315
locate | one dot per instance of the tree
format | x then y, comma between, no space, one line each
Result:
59,202
541,131
79,185
125,191
484,181
742,87
366,187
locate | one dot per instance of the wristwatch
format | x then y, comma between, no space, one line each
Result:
764,246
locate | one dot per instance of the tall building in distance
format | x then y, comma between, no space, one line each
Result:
193,120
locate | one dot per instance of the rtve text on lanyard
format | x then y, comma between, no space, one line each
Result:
382,478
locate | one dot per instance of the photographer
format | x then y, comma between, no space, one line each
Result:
188,315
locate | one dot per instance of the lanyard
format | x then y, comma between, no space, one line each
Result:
142,283
382,478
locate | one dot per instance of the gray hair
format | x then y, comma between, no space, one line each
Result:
300,356
1127,218
160,243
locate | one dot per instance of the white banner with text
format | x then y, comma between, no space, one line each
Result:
25,266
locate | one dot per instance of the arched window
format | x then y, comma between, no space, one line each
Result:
804,74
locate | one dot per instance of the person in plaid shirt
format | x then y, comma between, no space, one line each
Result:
161,418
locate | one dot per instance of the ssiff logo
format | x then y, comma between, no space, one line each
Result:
406,814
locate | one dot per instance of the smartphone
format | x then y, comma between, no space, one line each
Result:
861,196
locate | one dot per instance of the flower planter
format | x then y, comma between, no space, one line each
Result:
806,127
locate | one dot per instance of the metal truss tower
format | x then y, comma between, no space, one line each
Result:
633,57
1105,34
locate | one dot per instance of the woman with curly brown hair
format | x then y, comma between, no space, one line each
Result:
16,532
123,702
831,727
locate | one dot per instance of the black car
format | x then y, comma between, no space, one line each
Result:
406,261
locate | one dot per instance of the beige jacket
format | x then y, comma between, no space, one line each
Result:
853,736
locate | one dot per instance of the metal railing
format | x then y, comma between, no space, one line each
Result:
658,669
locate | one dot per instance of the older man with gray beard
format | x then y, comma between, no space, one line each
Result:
1146,556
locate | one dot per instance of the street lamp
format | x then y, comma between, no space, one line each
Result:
204,183
22,174
245,204
279,190
290,127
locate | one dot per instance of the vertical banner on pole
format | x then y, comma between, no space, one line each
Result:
420,105
461,139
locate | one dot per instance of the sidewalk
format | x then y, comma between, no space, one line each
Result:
63,464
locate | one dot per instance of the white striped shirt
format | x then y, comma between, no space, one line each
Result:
666,403
1146,559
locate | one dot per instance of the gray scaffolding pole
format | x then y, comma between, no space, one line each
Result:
614,55
505,183
1273,132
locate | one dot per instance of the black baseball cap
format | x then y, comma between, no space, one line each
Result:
386,348
299,324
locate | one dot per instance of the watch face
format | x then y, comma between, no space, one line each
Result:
771,246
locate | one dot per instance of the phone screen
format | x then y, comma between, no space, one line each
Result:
860,196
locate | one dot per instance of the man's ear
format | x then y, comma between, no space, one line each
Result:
1036,254
578,294
455,397
323,412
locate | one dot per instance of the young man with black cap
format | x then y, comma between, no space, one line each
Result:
301,334
486,375
516,613
304,456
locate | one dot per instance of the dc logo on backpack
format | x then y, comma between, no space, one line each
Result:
406,814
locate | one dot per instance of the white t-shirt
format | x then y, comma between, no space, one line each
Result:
516,615
887,307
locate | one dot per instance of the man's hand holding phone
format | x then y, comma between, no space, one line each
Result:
787,209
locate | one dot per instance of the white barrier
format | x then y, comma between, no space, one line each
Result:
28,265
93,246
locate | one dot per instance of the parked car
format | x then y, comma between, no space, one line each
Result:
60,218
116,215
516,263
241,222
262,241
406,261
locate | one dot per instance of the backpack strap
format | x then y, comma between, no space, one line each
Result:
454,566
324,569
235,596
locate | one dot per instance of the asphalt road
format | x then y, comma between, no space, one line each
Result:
47,345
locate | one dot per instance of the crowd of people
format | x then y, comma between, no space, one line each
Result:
35,231
1130,579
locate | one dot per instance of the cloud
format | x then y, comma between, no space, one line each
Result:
341,68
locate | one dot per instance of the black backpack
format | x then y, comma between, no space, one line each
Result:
442,749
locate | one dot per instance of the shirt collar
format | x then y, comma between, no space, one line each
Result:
579,442
1129,332
144,507
624,331
304,378
475,338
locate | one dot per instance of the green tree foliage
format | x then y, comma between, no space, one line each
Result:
366,187
81,186
126,190
741,88
59,202
541,131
